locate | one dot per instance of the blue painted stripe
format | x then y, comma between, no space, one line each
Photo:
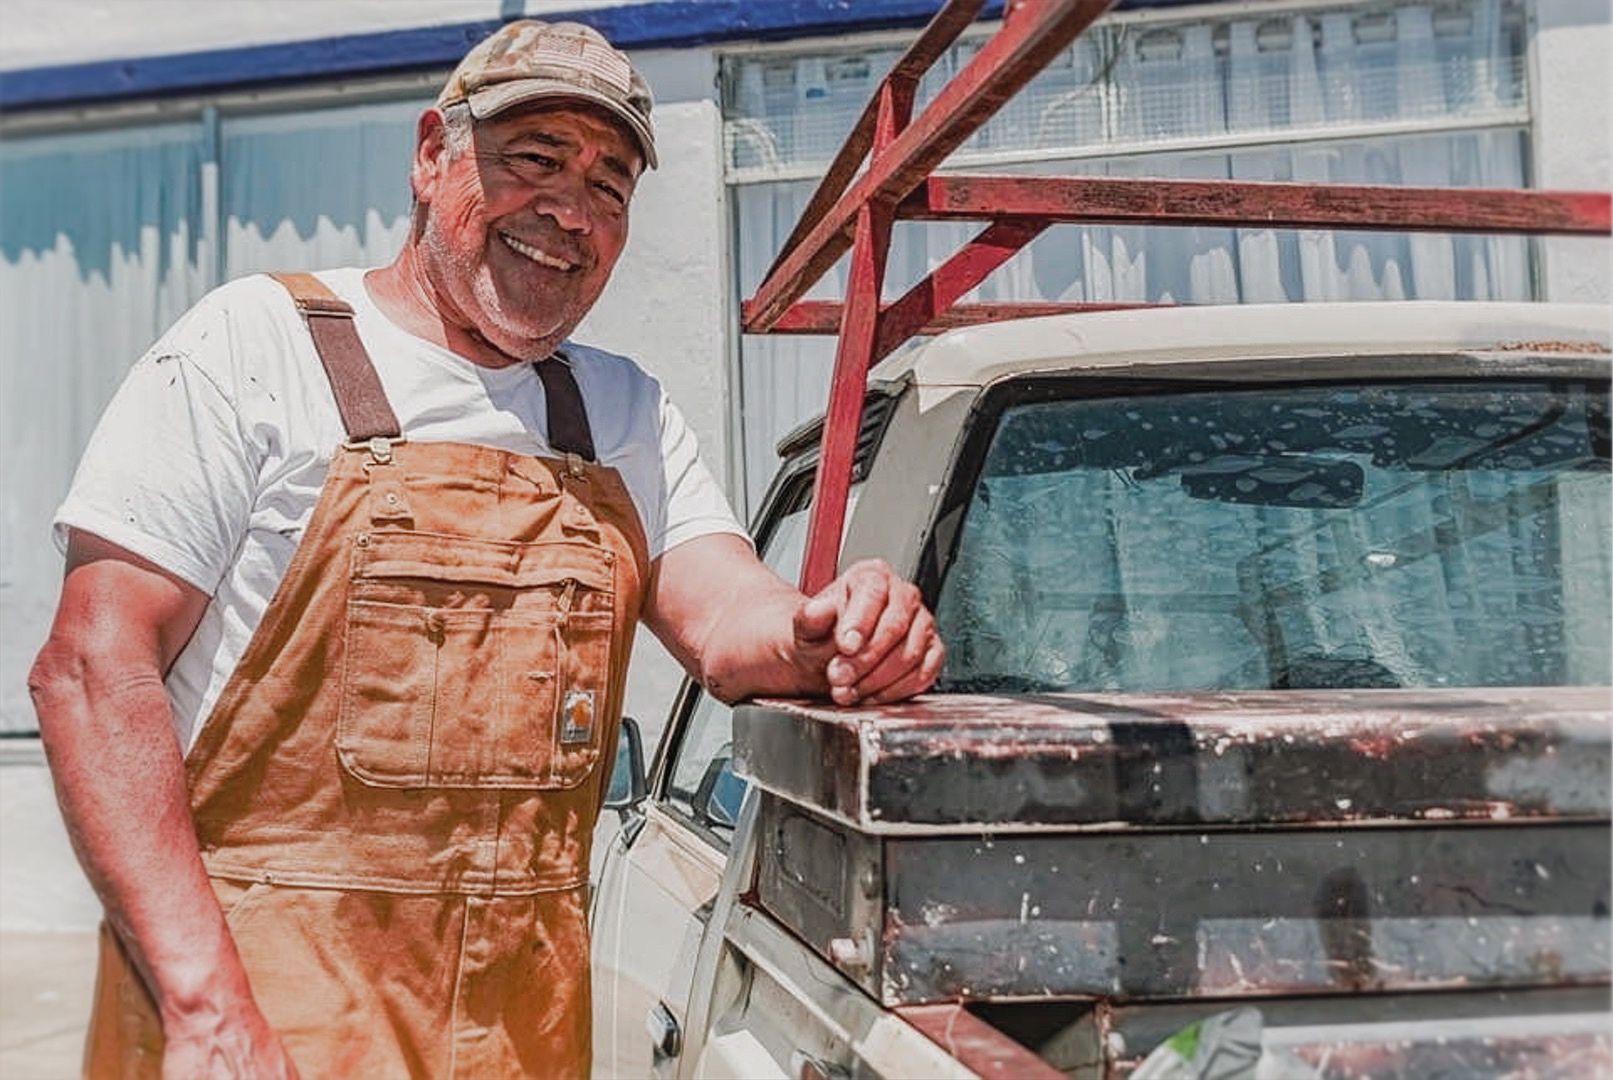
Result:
653,24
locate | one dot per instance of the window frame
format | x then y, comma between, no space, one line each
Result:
790,492
1113,31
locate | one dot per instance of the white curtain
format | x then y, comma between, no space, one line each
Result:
317,189
102,244
1311,74
107,238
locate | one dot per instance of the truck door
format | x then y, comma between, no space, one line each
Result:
661,872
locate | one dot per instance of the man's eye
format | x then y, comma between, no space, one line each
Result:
541,160
613,193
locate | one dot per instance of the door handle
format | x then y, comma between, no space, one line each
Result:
666,1038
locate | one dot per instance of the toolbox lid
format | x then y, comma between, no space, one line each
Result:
946,763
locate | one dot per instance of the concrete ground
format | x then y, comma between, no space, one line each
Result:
46,981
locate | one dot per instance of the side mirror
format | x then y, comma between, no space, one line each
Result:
627,783
721,792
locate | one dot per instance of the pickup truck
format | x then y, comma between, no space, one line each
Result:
1277,688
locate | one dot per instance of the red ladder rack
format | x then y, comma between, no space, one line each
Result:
852,211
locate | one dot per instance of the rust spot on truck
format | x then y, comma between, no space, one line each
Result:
1552,346
1583,1055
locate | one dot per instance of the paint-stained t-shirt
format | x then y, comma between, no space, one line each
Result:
211,456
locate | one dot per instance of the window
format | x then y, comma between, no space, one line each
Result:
1415,534
1388,92
707,737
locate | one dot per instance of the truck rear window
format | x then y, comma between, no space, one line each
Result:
1383,535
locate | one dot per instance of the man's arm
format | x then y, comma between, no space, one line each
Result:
743,631
108,733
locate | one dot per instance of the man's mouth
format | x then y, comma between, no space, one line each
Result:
538,255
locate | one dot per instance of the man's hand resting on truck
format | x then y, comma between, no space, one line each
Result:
871,636
745,632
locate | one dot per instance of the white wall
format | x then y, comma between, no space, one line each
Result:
41,887
1572,84
47,32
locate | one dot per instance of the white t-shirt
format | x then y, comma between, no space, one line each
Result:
210,458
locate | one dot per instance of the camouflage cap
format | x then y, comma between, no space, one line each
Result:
527,61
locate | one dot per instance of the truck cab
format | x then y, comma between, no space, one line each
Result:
1277,687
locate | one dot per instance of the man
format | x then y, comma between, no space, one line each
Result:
354,562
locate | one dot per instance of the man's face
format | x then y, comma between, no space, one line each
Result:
523,227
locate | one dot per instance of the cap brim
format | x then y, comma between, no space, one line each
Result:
492,100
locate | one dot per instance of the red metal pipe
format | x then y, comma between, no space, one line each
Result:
824,316
934,40
946,284
1258,204
859,329
1007,61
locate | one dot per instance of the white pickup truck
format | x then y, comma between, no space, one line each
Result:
1278,679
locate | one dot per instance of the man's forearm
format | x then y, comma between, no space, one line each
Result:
751,650
119,774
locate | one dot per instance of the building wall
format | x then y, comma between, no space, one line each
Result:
1572,82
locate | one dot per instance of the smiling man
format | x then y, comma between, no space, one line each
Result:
354,562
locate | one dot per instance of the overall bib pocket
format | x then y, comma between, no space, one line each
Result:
474,663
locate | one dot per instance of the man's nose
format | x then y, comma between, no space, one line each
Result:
565,202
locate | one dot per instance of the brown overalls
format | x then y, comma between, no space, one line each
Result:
395,795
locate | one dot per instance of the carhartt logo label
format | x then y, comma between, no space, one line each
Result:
577,717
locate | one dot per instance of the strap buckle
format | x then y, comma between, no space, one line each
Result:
379,446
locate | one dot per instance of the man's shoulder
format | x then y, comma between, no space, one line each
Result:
236,314
577,352
241,336
261,292
253,313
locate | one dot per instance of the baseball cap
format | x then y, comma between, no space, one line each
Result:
528,60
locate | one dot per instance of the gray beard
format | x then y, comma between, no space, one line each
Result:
515,339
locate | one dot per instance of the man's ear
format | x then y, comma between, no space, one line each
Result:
430,156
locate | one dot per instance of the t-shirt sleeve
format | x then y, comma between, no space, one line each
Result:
168,474
695,504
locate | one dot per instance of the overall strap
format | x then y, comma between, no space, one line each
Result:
366,414
569,432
